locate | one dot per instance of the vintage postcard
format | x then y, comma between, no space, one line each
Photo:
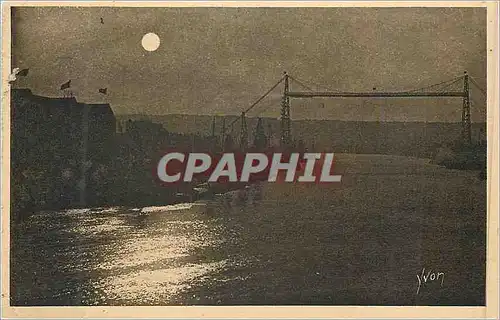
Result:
269,159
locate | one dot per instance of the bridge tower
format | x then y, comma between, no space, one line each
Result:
243,133
285,115
466,121
223,133
260,139
269,135
213,127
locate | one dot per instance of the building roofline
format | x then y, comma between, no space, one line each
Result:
71,100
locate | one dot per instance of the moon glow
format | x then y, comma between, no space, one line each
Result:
150,41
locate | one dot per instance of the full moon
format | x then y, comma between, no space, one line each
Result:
150,41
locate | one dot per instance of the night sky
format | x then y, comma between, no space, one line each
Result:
219,61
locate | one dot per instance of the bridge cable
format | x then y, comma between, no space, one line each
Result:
265,95
451,84
258,100
435,85
301,84
477,85
315,85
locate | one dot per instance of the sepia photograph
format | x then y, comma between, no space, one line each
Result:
247,156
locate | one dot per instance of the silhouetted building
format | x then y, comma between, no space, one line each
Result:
147,134
53,141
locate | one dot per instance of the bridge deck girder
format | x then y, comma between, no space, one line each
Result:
296,94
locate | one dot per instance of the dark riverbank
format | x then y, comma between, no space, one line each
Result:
464,157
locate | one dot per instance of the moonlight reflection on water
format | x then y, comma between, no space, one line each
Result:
361,242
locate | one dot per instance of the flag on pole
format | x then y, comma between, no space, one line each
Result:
66,85
23,72
103,91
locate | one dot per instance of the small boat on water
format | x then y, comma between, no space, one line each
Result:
212,188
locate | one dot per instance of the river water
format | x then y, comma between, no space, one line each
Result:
360,242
